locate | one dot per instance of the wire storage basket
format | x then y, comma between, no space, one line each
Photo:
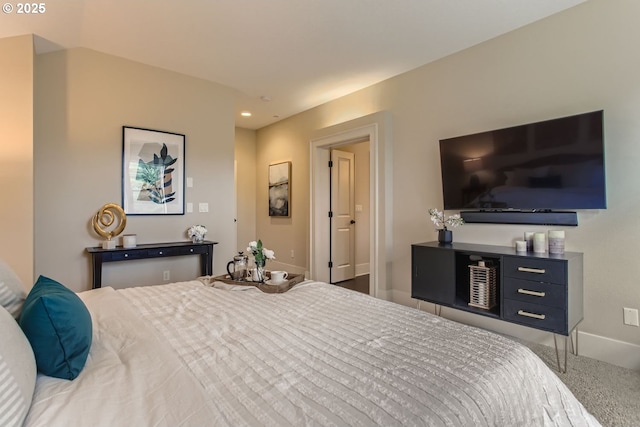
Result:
482,285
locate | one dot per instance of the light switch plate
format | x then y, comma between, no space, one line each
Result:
189,207
203,207
189,181
631,316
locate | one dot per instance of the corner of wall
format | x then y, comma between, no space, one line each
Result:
16,155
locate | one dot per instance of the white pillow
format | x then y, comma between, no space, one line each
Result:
12,292
17,372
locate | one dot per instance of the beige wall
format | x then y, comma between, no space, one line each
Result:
580,60
83,98
16,155
245,152
284,235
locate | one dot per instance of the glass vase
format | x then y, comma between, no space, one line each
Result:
258,275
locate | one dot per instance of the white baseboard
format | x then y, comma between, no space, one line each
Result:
597,347
608,350
385,294
362,269
277,265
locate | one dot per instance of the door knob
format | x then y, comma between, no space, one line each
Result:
353,221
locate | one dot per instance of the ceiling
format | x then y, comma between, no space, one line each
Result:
281,56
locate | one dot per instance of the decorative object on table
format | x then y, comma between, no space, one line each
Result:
103,221
152,172
240,265
482,285
277,277
260,255
283,286
197,233
444,234
539,243
521,246
556,242
129,241
280,189
528,237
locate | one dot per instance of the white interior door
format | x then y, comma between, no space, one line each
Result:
342,222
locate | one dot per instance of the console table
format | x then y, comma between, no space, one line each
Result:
154,250
539,290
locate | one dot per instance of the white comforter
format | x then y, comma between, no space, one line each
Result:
189,355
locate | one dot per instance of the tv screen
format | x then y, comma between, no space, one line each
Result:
554,164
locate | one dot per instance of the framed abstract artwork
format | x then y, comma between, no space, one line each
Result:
152,172
280,189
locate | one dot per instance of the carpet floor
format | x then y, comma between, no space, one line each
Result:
610,393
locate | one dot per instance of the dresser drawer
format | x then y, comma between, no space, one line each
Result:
541,270
160,252
122,256
195,249
538,316
549,294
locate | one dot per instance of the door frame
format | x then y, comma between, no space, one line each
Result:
377,129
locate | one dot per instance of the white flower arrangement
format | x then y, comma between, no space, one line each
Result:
197,232
260,253
441,223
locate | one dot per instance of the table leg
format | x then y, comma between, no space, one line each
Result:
97,271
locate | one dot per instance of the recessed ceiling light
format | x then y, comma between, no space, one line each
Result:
265,98
246,114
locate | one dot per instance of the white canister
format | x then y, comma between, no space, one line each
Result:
129,241
540,242
556,241
521,246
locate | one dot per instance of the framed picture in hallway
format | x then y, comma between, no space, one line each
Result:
280,189
152,172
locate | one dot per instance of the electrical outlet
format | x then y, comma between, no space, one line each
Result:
166,275
292,254
631,316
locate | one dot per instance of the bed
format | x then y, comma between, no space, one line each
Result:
188,354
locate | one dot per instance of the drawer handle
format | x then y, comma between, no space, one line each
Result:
532,293
534,315
126,255
160,252
190,250
532,270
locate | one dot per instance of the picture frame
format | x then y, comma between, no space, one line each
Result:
153,172
280,189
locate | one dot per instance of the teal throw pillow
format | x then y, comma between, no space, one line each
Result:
58,327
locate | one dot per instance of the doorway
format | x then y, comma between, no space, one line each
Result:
376,129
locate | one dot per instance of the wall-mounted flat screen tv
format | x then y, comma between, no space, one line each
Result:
549,165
